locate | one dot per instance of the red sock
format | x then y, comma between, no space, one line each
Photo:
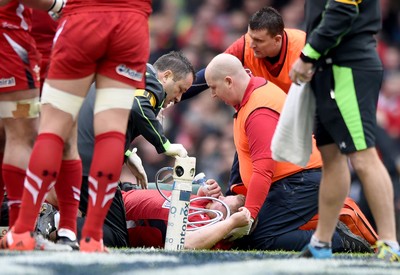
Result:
1,181
103,180
68,189
14,180
43,169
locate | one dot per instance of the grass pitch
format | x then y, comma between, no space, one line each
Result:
152,261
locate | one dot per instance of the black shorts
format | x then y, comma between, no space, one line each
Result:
115,233
346,107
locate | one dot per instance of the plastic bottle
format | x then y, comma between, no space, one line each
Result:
200,179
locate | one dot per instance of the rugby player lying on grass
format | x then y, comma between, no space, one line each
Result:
147,217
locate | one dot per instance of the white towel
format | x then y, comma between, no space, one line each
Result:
292,140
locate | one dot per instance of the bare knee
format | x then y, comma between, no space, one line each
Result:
70,150
364,161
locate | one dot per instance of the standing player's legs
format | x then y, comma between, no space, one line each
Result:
112,110
19,96
20,117
347,117
335,185
117,77
365,160
357,104
68,189
378,190
2,146
58,113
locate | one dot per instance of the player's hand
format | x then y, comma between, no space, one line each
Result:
211,189
301,72
176,149
56,9
241,231
161,116
241,218
136,167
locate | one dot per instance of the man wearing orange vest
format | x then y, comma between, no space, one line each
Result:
268,49
292,190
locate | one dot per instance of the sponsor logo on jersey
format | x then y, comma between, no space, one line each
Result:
7,82
123,70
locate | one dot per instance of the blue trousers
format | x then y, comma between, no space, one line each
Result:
291,202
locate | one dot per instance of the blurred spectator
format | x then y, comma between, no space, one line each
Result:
205,31
251,6
390,56
293,14
390,22
389,108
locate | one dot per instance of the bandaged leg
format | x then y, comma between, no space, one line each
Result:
24,108
113,98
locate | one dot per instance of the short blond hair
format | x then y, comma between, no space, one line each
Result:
233,208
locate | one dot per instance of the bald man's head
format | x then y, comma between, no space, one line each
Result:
223,65
227,78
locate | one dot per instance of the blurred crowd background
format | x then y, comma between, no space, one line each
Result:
205,28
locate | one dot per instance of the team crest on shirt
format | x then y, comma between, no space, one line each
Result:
123,70
7,82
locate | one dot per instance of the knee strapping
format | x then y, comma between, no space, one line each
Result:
25,108
64,101
113,98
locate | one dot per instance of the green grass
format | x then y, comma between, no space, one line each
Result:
155,261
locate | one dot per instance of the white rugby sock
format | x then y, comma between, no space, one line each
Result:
393,244
317,243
